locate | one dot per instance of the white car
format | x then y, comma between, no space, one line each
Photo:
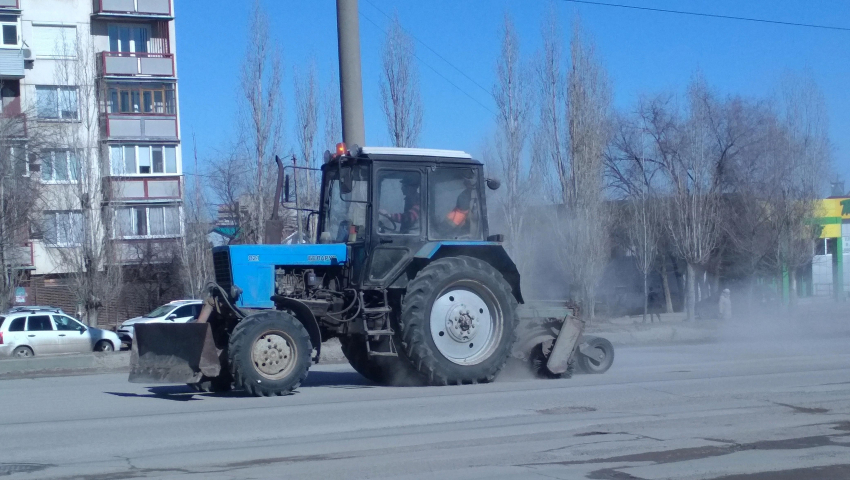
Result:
178,311
40,332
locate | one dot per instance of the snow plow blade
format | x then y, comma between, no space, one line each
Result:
173,353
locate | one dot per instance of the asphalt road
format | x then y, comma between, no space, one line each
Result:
777,408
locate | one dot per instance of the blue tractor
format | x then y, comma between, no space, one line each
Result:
405,274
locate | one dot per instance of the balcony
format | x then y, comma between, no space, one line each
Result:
11,63
13,127
20,257
134,8
10,5
136,189
121,64
141,127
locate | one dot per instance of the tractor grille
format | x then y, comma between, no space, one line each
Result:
221,265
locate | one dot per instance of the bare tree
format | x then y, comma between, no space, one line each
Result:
262,121
19,195
196,254
514,107
399,83
231,191
803,167
577,125
77,229
331,107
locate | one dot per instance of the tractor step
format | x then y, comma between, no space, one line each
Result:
383,354
377,310
379,332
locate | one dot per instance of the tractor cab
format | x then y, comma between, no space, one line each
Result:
389,205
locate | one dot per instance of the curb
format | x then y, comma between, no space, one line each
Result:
64,364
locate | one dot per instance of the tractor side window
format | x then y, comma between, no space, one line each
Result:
399,199
455,210
347,211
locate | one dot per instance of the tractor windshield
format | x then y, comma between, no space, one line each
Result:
345,211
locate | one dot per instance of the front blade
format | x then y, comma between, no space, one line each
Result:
173,353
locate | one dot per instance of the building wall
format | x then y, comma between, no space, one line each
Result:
113,190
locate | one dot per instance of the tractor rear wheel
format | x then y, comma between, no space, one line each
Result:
269,353
354,349
458,321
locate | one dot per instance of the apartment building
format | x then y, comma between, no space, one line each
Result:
96,82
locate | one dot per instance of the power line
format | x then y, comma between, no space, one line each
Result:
488,92
709,15
485,107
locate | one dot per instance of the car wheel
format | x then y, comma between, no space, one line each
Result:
22,352
104,346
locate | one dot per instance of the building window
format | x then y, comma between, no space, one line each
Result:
59,166
9,29
129,38
155,101
56,103
148,222
63,229
55,41
143,159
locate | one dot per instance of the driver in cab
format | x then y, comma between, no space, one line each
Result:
408,220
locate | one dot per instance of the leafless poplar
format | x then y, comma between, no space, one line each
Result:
262,120
399,83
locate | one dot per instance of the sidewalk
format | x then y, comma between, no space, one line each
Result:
672,328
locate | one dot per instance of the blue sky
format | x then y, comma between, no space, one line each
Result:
644,52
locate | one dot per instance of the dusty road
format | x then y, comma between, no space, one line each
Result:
778,409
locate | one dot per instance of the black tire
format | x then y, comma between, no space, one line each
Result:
104,346
354,349
277,328
23,352
439,278
539,358
588,365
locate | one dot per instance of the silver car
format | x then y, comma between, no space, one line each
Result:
39,332
178,311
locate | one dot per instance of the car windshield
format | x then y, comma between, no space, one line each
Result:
160,311
344,209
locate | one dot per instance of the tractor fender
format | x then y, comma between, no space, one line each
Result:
491,252
304,315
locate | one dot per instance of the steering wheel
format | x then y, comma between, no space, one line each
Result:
392,227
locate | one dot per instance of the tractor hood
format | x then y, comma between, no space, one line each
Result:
251,268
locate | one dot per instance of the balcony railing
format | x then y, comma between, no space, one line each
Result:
136,7
136,189
141,127
23,256
13,4
13,127
137,64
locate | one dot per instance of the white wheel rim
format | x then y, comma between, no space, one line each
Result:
464,326
273,355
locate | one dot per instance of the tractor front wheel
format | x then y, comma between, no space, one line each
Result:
269,354
458,321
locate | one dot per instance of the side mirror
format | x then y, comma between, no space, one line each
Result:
493,184
83,330
286,189
345,181
171,317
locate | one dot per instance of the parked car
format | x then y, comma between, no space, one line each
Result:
178,311
40,332
36,308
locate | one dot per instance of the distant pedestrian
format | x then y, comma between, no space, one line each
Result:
725,304
654,301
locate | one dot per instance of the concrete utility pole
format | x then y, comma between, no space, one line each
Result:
350,81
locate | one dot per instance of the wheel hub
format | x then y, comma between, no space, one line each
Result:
461,324
272,355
